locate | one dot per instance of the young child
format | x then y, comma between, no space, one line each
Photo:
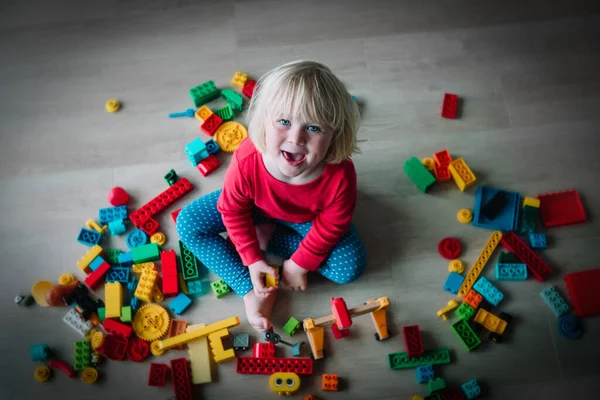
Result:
290,189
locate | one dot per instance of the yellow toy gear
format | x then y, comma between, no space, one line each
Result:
65,279
230,135
112,105
159,238
42,373
151,322
464,216
456,266
89,375
97,340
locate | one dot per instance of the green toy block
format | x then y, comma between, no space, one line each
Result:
226,113
291,326
171,177
204,93
112,256
435,385
188,262
145,253
529,218
508,258
82,355
464,311
126,314
466,335
220,288
417,172
101,313
401,360
233,99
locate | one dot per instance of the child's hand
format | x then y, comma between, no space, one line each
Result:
257,275
294,276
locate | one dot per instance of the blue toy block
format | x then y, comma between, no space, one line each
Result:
89,237
241,341
196,288
196,151
109,214
511,272
118,274
117,227
453,282
40,352
425,373
212,147
179,304
96,263
506,219
135,304
471,389
570,326
126,259
538,240
555,301
488,291
136,238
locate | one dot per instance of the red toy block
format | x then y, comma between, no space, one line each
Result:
158,374
138,350
584,289
174,215
181,379
452,393
114,347
450,105
442,173
561,208
97,276
473,298
412,340
339,333
63,366
536,265
268,366
208,165
248,89
170,280
211,124
160,202
264,350
341,314
442,158
150,226
449,248
117,328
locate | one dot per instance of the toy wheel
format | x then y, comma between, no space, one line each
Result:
506,317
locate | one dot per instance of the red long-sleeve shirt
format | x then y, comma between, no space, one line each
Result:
328,201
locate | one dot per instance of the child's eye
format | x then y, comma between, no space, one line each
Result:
313,128
285,122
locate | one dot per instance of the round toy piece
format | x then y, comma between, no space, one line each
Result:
136,238
456,266
428,163
230,135
97,339
112,105
118,196
65,279
42,374
449,248
464,216
39,290
159,238
89,375
151,322
138,350
570,326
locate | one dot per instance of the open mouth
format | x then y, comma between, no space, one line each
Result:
294,159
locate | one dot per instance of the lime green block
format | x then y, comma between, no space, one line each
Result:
220,288
291,326
126,314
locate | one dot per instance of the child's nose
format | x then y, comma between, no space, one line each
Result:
296,136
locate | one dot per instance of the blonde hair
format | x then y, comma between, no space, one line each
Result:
308,91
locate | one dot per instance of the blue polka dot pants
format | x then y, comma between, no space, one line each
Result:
199,225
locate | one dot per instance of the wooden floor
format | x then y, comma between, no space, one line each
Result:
528,76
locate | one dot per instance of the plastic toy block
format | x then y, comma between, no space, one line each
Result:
145,253
114,347
464,216
490,200
450,105
40,352
442,158
169,272
488,291
453,282
570,326
442,173
118,274
435,385
483,258
464,311
117,328
329,383
452,393
417,173
555,301
150,226
340,313
268,366
215,341
529,219
466,335
507,258
199,357
511,272
284,383
412,340
171,177
208,165
189,263
101,314
158,374
270,280
264,350
160,202
196,151
239,80
126,259
583,289
91,224
402,360
219,288
146,285
225,113
212,147
428,163
112,255
96,263
113,297
174,215
89,237
241,341
211,124
248,89
177,327
233,99
449,248
135,304
561,208
531,202
76,321
536,265
82,355
490,321
291,326
452,304
136,238
202,113
204,93
473,299
181,379
109,214
425,373
126,314
195,288
85,261
471,389
63,366
538,240
462,174
157,295
117,227
180,303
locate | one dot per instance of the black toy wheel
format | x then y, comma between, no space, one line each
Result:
506,317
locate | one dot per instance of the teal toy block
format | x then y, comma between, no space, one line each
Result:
291,326
226,113
40,352
117,227
453,282
96,263
506,219
488,291
196,288
82,355
196,151
241,342
89,237
112,256
126,314
233,99
126,259
109,214
188,262
436,385
417,173
555,301
118,274
212,147
511,272
180,303
570,326
471,389
466,335
538,240
529,219
401,360
146,253
425,373
136,238
171,177
220,288
204,93
464,311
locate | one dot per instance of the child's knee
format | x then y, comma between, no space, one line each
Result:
183,223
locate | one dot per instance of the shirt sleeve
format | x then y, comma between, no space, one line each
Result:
329,225
235,205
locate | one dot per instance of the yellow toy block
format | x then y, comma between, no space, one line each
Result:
203,113
146,285
480,263
139,268
270,280
199,357
182,284
530,201
157,294
91,224
462,174
239,80
284,383
85,261
315,334
113,299
490,321
215,340
452,304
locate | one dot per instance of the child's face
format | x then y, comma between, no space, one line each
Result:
297,147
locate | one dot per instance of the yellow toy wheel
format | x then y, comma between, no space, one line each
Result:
428,163
42,373
112,105
159,238
97,340
89,375
464,216
230,135
151,322
65,279
456,266
156,350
